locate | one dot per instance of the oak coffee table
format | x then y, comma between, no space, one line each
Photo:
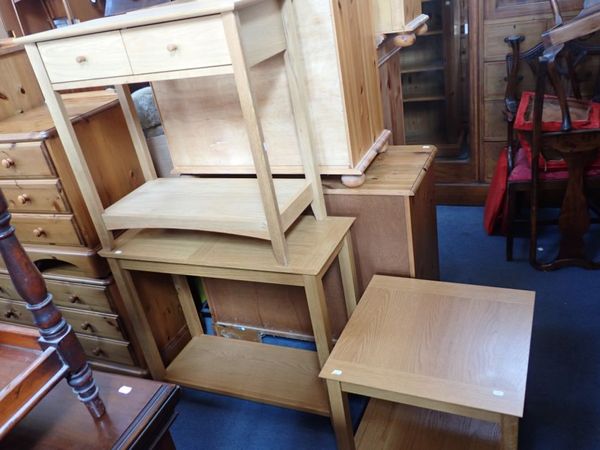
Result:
445,366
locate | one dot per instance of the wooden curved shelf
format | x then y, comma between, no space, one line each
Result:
223,205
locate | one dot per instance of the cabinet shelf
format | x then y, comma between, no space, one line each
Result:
270,374
427,98
424,68
223,205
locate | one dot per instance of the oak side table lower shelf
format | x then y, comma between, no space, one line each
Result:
431,353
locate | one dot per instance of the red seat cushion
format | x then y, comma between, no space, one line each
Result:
584,114
522,169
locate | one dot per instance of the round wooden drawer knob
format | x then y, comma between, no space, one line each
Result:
86,326
23,199
11,314
39,232
172,48
7,163
74,299
81,59
98,351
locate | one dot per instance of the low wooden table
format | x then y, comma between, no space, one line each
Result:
458,350
135,419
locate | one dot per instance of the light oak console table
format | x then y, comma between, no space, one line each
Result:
172,223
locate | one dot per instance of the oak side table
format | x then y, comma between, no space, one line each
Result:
446,350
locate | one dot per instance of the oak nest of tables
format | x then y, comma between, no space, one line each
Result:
444,364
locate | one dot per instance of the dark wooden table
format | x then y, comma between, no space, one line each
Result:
139,419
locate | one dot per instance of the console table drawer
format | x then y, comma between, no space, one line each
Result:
85,57
41,196
24,160
186,44
46,229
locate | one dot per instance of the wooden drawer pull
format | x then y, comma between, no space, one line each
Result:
86,326
11,314
74,299
172,48
39,232
81,59
98,352
23,199
7,163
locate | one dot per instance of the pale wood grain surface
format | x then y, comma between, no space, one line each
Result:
398,171
450,343
221,251
391,426
266,373
209,204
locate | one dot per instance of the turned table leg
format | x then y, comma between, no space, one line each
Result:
54,329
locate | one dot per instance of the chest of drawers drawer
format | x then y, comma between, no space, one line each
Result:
47,229
37,196
25,160
85,57
79,296
84,322
107,349
180,45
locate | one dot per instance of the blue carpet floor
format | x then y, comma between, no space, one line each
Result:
562,409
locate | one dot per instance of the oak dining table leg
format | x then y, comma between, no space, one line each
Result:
340,416
509,430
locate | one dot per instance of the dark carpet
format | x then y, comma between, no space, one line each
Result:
562,409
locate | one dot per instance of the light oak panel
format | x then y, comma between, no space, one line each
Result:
494,33
397,342
264,373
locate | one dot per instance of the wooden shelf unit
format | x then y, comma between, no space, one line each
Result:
174,42
431,72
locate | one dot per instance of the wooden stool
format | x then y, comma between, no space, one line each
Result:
459,350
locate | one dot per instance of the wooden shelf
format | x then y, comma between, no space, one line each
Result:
223,205
424,68
429,98
390,426
265,373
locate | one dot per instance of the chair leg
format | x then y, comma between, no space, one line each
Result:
510,213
